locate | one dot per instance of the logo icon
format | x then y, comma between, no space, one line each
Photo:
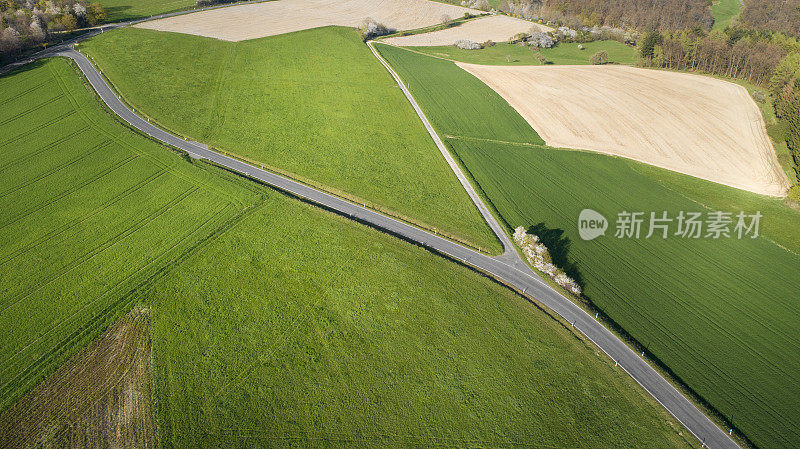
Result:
591,224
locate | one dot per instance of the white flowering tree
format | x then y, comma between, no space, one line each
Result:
537,255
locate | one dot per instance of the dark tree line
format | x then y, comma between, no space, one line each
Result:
785,88
771,15
771,60
747,59
628,14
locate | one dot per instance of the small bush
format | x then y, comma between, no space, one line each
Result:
599,58
370,29
538,256
519,37
759,96
489,43
466,44
794,194
541,40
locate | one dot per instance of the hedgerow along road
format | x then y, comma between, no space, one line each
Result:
507,268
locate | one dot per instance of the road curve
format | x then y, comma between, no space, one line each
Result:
508,248
504,269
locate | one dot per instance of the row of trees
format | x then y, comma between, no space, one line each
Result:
771,60
768,58
26,23
720,53
628,14
785,88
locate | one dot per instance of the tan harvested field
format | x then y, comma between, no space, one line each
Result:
100,398
688,123
495,28
238,23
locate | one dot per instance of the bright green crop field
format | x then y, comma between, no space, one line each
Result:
89,211
299,328
274,323
512,54
722,315
315,104
481,112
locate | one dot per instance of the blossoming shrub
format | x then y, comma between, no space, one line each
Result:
538,256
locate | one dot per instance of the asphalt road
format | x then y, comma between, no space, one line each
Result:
507,268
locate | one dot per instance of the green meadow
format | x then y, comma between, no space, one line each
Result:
514,54
122,10
273,322
724,12
89,211
314,104
300,328
720,314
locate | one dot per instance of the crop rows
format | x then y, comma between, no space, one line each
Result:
88,212
720,314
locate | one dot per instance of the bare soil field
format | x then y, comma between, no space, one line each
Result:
692,124
496,28
99,398
238,23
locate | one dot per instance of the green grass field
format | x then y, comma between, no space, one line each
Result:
512,54
438,87
122,10
273,322
315,104
333,334
88,212
721,314
724,12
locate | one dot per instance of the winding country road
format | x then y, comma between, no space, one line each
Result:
507,268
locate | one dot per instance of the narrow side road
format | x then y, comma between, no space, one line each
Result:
503,268
508,248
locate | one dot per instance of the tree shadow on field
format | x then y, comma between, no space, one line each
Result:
558,245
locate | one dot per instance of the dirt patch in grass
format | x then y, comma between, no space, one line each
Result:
100,398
